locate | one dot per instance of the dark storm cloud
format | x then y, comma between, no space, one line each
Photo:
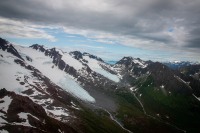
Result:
172,22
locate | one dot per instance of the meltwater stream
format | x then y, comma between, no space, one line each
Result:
113,119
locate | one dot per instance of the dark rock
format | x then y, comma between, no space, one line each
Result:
93,56
38,47
61,65
21,83
4,45
29,59
77,55
162,75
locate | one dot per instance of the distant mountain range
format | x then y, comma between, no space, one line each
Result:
111,62
179,64
47,90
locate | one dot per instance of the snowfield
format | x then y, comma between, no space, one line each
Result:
68,59
95,66
46,67
11,72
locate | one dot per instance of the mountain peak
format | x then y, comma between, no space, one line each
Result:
38,47
125,60
130,61
5,45
3,41
93,56
76,54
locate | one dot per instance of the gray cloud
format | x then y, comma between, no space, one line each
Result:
172,23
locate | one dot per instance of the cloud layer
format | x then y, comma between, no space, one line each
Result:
150,24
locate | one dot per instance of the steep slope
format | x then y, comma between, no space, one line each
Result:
162,93
33,89
45,65
32,101
48,90
5,45
23,115
100,67
191,75
90,80
85,67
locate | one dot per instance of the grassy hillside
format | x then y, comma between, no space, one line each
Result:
178,109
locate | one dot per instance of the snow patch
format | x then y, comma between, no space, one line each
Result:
95,66
68,59
5,105
4,131
24,116
2,121
131,88
198,98
181,80
60,131
140,63
74,106
58,111
162,86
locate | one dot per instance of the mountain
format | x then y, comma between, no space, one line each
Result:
189,73
178,64
49,90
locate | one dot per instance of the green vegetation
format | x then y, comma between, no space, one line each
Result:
98,121
180,110
130,113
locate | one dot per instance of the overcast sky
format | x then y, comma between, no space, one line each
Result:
150,29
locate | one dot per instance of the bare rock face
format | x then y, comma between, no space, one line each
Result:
93,56
163,75
5,46
38,47
77,55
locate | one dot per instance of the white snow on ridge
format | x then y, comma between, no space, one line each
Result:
45,66
181,80
95,66
140,63
2,121
24,115
10,71
68,59
198,98
59,111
